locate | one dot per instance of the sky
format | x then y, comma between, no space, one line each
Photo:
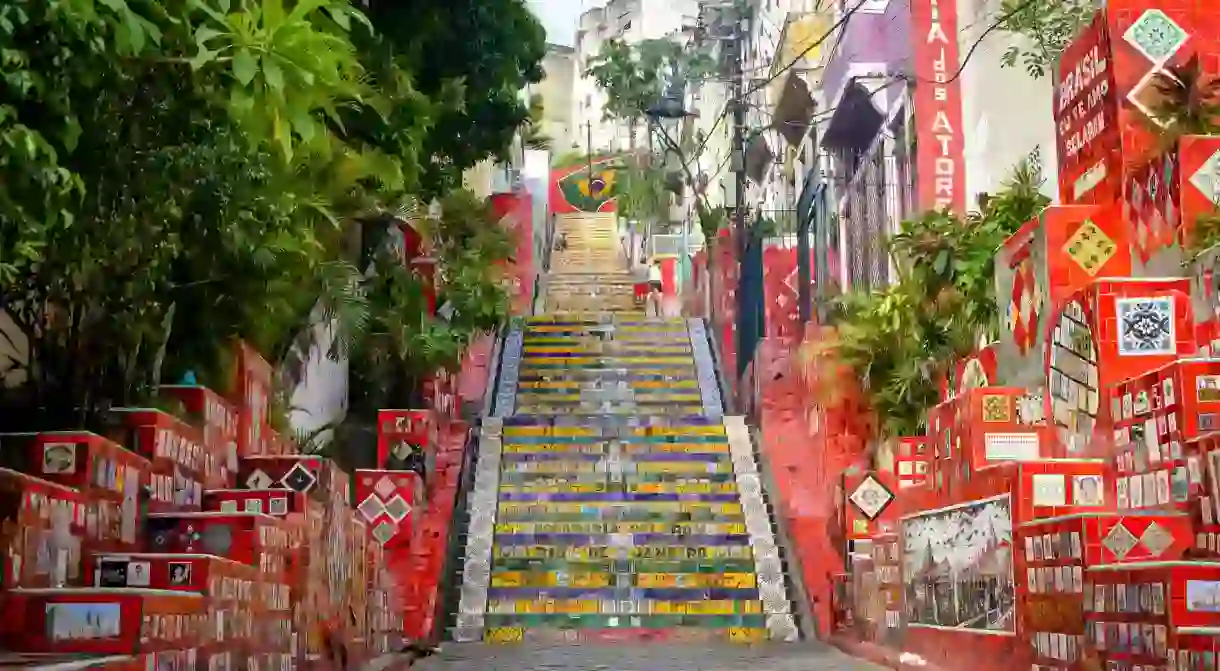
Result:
559,17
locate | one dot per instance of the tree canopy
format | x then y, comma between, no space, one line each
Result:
178,173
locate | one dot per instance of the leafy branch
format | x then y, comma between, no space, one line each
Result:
1047,28
900,340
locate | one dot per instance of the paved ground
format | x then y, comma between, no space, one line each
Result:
645,657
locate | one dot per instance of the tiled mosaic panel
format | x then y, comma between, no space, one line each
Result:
595,522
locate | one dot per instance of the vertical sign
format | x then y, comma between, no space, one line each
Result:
1086,119
940,159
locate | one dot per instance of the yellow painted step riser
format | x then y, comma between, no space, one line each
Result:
589,328
526,398
551,467
613,411
631,384
676,528
581,349
642,580
594,606
734,635
567,508
634,552
628,448
640,488
714,430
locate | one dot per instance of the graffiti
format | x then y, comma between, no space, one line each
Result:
579,189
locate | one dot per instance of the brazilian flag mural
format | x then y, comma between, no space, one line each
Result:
573,189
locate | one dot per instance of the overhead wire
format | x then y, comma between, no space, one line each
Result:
834,30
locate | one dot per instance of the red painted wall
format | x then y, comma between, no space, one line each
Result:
516,212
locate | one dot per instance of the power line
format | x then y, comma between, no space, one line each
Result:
825,36
724,110
995,25
814,45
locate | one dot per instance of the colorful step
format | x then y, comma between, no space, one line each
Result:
610,501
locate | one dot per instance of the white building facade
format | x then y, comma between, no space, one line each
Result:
632,21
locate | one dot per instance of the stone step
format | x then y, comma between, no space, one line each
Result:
678,529
635,566
690,425
578,540
587,479
618,496
612,375
566,578
564,384
663,631
624,607
623,411
623,448
643,510
611,348
640,595
621,467
642,551
586,396
608,360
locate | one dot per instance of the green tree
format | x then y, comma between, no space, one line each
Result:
479,53
1047,27
642,193
634,76
177,174
533,136
901,340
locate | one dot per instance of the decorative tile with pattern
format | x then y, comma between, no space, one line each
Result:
1145,326
1090,247
1120,541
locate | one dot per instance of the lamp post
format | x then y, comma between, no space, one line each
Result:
666,116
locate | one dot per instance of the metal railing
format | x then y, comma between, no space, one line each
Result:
455,551
874,190
670,244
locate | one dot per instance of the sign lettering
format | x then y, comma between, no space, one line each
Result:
938,107
1086,116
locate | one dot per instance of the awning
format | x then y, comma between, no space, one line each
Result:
794,112
855,121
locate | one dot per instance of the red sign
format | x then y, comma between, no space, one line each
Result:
938,106
1086,119
403,434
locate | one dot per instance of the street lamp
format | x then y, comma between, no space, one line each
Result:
666,116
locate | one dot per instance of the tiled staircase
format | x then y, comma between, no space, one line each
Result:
611,500
590,275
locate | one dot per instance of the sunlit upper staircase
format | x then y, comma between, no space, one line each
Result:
591,274
610,500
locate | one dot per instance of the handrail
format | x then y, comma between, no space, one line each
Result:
726,391
451,578
450,575
806,623
493,374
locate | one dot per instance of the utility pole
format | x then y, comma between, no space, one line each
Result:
589,153
745,317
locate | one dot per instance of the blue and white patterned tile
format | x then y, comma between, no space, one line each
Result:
1146,326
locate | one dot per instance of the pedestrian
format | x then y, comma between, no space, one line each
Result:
653,304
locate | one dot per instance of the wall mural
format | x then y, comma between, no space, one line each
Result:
574,190
958,566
